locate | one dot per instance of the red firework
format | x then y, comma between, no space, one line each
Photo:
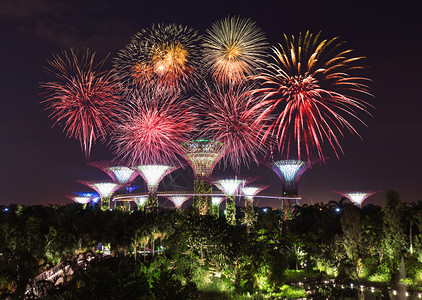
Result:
231,116
153,128
83,99
309,86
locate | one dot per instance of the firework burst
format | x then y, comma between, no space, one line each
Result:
83,99
233,49
153,129
231,116
163,55
310,86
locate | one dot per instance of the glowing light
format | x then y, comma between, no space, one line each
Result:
311,88
233,49
289,172
119,174
357,197
216,200
83,99
105,189
153,174
178,200
203,155
229,186
140,200
81,200
249,192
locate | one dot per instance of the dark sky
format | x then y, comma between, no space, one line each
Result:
39,165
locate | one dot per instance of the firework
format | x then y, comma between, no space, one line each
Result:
310,86
164,55
153,129
231,116
233,49
82,99
357,197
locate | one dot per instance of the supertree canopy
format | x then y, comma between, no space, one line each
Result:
233,49
140,200
166,56
229,187
82,98
153,174
311,86
104,189
357,197
82,198
178,200
153,128
216,201
119,174
203,155
289,172
249,192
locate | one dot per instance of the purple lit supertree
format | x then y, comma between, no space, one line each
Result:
178,200
233,116
83,99
357,197
165,56
203,155
229,187
104,189
119,174
152,175
153,128
310,85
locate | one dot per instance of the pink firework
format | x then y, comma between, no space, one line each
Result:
310,87
83,99
153,129
231,116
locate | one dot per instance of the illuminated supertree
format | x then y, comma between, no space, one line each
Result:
153,174
82,99
178,200
357,197
231,116
289,171
249,193
165,56
229,187
203,155
140,201
104,189
233,49
216,201
82,198
153,129
119,174
310,86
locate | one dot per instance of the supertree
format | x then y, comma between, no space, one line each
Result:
82,198
203,155
104,189
289,171
154,126
310,86
249,193
178,200
233,49
357,197
229,187
140,201
216,201
119,174
165,56
231,116
82,98
153,174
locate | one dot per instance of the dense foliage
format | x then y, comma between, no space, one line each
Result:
185,255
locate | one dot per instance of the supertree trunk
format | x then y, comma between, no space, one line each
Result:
105,203
203,203
152,203
231,210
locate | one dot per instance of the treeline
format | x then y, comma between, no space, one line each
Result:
172,254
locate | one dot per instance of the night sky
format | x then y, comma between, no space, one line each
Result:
39,164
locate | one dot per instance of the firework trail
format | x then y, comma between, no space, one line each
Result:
233,117
309,86
233,49
153,128
82,99
165,56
